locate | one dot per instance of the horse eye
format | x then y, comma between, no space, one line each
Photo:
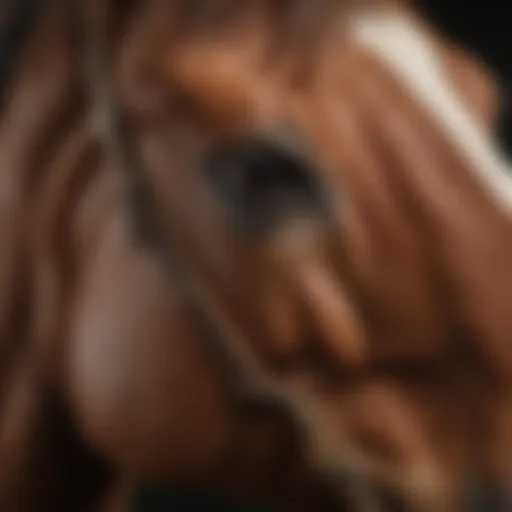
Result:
264,182
257,168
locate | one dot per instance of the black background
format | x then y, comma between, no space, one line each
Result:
485,26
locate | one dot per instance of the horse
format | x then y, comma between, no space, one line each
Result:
259,247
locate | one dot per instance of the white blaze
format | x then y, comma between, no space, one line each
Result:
407,51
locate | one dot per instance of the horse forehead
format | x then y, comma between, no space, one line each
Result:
224,80
413,56
228,81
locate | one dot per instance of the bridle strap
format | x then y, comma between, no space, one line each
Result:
254,388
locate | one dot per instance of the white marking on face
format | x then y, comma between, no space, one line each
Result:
411,55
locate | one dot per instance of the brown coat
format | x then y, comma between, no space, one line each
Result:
407,303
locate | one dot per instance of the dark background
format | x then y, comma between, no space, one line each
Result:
484,26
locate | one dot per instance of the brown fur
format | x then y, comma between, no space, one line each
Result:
408,360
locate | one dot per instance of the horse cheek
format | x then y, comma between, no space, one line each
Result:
143,392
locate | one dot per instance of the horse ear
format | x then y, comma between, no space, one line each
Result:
489,100
475,83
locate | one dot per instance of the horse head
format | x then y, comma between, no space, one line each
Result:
293,265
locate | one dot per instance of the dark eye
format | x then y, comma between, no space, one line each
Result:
264,183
